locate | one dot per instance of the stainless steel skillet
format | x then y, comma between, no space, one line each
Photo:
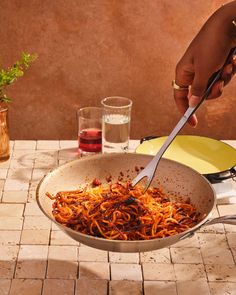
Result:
178,181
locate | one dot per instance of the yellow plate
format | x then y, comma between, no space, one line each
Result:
206,155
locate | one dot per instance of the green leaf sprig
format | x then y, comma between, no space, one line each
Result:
11,74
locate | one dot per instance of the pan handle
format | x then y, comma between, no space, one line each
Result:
217,177
229,219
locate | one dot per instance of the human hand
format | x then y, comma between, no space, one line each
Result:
205,55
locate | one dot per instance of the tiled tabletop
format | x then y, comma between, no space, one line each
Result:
36,258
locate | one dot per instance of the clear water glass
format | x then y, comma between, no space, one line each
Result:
116,124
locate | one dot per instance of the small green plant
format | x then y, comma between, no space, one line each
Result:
11,74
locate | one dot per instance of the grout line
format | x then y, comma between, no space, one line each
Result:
75,284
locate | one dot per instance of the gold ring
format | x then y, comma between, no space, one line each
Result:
177,87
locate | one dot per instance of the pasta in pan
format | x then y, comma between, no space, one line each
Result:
119,211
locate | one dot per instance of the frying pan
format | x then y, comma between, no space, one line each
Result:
177,180
214,159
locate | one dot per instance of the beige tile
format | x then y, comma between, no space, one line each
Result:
3,173
31,236
8,253
132,272
5,285
26,287
37,222
31,195
16,185
116,257
68,154
64,161
193,288
32,209
30,269
59,269
62,262
11,223
58,287
5,165
23,174
47,145
231,237
46,159
91,287
25,144
32,262
214,249
14,196
221,272
46,154
212,240
90,254
7,269
55,226
37,252
94,270
46,164
190,272
58,237
33,185
23,154
186,255
8,256
215,228
228,210
160,288
68,144
66,253
9,237
125,288
160,272
22,163
13,210
158,256
222,288
188,243
233,250
216,255
39,173
2,183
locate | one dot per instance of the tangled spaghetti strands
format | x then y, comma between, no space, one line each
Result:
120,212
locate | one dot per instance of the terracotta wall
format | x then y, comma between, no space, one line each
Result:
90,49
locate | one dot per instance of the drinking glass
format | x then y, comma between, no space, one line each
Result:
89,130
116,124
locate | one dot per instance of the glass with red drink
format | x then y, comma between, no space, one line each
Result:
89,130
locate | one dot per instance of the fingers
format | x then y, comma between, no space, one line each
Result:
217,89
198,81
228,72
181,99
184,78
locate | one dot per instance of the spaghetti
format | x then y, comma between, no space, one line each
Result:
119,211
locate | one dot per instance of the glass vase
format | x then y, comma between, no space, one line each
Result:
4,135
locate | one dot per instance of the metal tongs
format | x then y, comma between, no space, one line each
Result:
150,169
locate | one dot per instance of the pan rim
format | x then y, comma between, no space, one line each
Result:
223,143
130,242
